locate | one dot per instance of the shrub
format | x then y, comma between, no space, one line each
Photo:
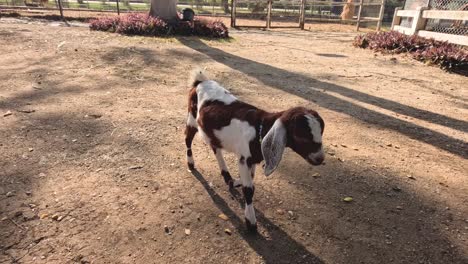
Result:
143,24
104,23
447,56
210,28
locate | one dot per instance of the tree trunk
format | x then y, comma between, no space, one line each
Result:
165,9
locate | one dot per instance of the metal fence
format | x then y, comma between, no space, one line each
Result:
294,13
202,7
455,27
289,13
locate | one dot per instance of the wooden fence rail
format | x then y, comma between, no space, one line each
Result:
420,17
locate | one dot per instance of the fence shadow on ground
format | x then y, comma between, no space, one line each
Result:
274,77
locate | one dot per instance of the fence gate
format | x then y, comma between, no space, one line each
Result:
268,13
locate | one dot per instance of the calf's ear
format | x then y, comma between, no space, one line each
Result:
273,145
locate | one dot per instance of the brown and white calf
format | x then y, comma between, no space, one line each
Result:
225,123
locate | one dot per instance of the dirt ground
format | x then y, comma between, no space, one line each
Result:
92,166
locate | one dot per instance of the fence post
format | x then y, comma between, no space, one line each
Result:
418,21
396,19
233,13
268,21
59,2
359,14
302,15
118,8
381,15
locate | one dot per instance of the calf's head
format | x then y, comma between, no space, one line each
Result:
300,129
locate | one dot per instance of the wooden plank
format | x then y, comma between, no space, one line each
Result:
302,16
446,14
396,19
268,20
419,22
233,13
341,4
381,13
27,8
404,30
59,2
407,13
373,20
455,39
337,3
118,8
359,15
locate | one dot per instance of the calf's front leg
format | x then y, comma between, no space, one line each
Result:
248,189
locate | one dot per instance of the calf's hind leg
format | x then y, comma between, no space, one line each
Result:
224,170
190,132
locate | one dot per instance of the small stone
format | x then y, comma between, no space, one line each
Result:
340,159
411,177
96,116
31,149
136,167
27,111
55,217
291,214
166,229
8,113
42,175
397,147
28,216
223,216
344,146
389,144
10,194
228,231
396,189
4,218
60,218
28,193
42,216
74,140
399,207
280,211
348,199
316,175
187,231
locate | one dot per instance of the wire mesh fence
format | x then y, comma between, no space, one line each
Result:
454,27
284,13
288,12
201,7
